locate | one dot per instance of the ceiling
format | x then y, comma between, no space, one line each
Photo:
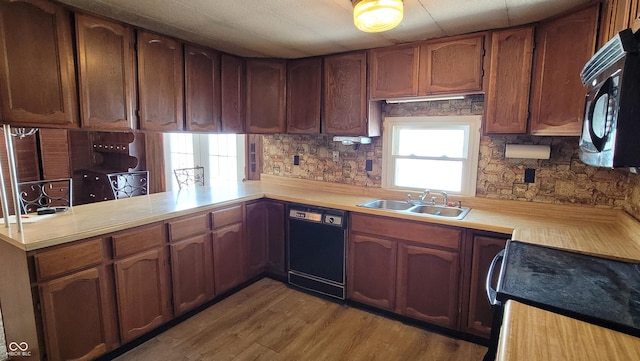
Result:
300,28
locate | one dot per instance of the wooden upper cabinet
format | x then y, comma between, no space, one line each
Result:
346,108
266,83
161,81
616,16
563,46
451,65
106,73
304,94
202,84
37,77
507,99
232,94
393,72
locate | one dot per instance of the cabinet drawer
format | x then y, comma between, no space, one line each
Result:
419,232
226,216
68,259
138,239
188,227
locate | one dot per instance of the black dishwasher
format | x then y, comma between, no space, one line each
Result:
316,249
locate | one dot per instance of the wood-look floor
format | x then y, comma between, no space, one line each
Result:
269,321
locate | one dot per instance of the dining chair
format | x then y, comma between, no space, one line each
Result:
187,177
45,193
129,184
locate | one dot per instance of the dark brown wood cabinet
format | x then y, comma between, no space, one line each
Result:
507,98
265,96
202,89
276,230
37,70
393,71
616,16
161,82
346,107
106,74
142,280
428,284
55,153
411,268
256,236
563,46
451,65
77,301
191,262
229,255
232,80
478,312
304,94
371,271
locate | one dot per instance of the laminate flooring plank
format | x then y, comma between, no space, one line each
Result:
270,321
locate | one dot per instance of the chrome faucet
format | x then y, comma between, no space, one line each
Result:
424,195
444,198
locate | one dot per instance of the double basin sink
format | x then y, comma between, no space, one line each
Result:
426,209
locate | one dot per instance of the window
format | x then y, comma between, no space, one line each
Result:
221,155
435,153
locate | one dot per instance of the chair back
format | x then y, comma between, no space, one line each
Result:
129,184
187,177
45,193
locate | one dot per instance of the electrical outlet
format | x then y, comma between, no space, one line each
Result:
336,156
369,165
529,175
296,160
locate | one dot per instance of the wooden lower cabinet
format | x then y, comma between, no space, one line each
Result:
265,235
192,273
478,311
428,284
228,257
411,268
78,316
371,271
142,289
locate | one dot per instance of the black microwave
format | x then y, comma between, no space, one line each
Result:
611,128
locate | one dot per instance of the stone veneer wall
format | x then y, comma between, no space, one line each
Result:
561,179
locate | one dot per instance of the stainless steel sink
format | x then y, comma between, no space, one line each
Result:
441,211
387,204
426,209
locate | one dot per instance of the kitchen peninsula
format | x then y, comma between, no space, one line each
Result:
105,230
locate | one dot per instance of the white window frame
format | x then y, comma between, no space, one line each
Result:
472,148
201,158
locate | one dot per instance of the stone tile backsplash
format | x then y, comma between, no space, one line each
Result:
561,179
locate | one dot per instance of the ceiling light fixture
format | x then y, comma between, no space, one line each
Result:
373,16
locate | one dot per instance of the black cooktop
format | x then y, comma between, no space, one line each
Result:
597,290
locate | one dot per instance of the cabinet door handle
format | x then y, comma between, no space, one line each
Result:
492,293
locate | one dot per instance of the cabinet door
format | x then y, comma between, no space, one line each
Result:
563,47
393,72
106,73
266,82
345,94
304,91
232,78
451,66
507,99
54,153
142,289
480,313
161,82
276,220
256,236
79,321
192,273
371,271
617,15
428,284
228,257
202,84
37,77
